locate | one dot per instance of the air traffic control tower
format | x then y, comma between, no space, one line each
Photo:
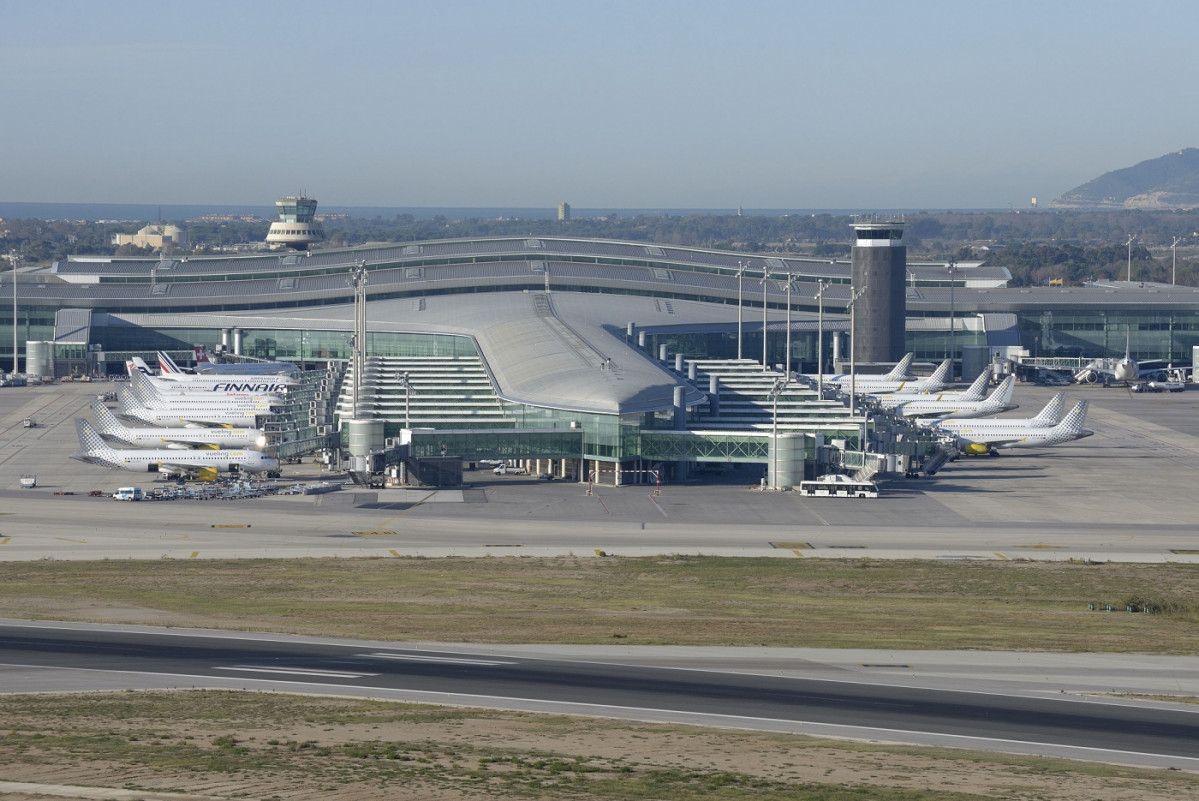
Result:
296,227
880,264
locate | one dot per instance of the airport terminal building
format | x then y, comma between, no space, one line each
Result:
595,355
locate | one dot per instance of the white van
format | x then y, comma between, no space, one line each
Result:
128,494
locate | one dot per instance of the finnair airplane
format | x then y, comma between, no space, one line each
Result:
187,415
206,365
977,391
151,397
205,464
276,386
988,436
109,427
998,401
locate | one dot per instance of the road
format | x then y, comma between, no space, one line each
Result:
842,703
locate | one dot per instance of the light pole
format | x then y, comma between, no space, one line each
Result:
820,335
953,268
779,385
407,391
765,276
787,358
740,276
1174,267
853,344
1129,243
14,257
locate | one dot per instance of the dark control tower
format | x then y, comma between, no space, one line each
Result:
880,264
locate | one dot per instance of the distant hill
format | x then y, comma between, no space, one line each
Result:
1168,182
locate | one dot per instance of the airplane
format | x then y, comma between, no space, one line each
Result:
186,382
187,415
933,383
206,365
998,401
1049,416
1122,371
976,391
151,397
109,427
204,464
898,373
985,437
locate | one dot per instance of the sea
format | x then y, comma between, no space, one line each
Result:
144,212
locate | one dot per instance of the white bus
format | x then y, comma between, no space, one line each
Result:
838,486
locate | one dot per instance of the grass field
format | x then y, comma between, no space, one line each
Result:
210,744
659,600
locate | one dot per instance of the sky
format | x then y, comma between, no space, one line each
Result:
765,104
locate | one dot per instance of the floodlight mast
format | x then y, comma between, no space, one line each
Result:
853,382
820,336
14,258
740,276
765,276
1131,239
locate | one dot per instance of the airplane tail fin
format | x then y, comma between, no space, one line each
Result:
140,365
1071,426
900,371
201,353
977,390
167,365
106,421
937,380
144,391
1051,415
89,440
1002,396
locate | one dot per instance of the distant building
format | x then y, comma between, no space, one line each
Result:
297,226
156,237
564,211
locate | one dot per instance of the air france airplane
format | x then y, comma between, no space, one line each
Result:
205,464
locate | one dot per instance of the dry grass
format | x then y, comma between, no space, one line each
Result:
236,745
662,600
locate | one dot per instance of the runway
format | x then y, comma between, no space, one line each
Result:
745,691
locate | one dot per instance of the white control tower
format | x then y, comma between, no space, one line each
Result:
296,227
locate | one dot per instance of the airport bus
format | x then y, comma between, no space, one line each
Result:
838,486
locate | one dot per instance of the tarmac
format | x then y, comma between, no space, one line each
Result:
1124,494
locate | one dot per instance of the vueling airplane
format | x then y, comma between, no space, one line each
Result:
976,392
898,373
989,436
204,464
1049,416
171,384
872,385
109,427
187,416
998,401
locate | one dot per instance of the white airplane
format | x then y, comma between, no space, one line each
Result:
998,401
898,373
153,398
1122,371
933,383
976,391
109,427
204,364
275,386
187,415
205,464
985,436
1049,416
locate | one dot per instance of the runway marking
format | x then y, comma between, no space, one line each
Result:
394,553
68,539
230,525
791,546
195,554
658,505
447,660
328,674
877,665
503,545
798,553
5,541
1040,547
1179,551
1001,556
375,533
